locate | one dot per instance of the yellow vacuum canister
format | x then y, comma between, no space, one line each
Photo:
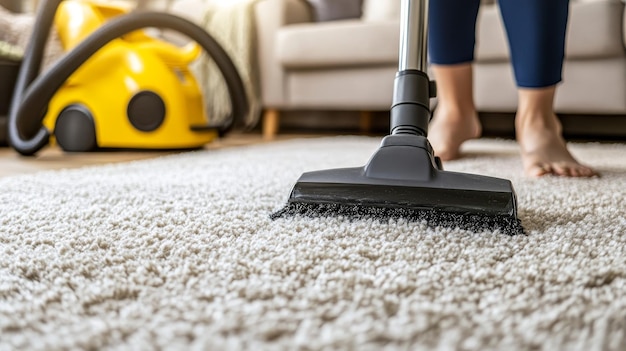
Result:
116,87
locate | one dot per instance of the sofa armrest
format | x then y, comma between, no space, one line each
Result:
270,16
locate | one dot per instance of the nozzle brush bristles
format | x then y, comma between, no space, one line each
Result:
433,217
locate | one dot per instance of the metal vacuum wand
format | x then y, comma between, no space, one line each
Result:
410,111
414,36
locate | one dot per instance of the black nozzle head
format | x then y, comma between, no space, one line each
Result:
403,180
448,199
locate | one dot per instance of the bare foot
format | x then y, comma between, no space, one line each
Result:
448,130
543,149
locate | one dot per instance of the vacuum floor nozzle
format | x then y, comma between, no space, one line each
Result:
403,180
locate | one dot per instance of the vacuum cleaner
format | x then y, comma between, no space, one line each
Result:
116,87
403,179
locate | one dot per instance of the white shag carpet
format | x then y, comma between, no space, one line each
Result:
178,253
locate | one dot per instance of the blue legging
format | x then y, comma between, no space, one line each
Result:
535,28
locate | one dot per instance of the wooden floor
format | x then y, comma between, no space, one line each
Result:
11,163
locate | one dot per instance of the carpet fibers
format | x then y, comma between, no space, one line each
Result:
179,253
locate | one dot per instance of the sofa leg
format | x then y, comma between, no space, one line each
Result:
271,122
365,122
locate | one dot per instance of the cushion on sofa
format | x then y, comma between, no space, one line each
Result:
331,10
385,10
381,10
338,43
594,31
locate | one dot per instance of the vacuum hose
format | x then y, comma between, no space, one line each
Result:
32,94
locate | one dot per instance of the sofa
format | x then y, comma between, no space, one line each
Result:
308,64
349,64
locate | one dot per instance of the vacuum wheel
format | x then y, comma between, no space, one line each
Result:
75,129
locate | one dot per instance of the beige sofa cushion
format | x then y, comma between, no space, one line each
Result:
338,44
390,9
385,10
332,10
381,10
594,31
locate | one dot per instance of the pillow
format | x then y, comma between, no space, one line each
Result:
331,10
381,10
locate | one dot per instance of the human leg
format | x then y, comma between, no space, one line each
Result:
451,43
536,30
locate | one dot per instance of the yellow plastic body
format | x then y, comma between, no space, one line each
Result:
126,66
